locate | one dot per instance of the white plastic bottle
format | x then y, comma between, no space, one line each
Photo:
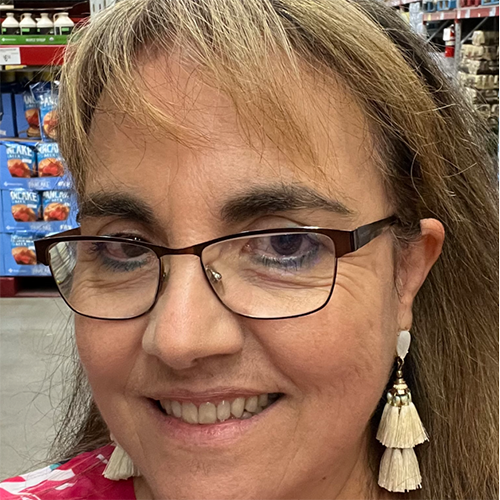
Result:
44,25
27,24
10,25
63,25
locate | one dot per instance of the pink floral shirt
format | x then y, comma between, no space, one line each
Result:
77,479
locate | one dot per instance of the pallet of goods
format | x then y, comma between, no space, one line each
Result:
36,198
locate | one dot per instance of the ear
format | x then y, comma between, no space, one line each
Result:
414,266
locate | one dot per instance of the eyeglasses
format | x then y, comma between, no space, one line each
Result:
268,274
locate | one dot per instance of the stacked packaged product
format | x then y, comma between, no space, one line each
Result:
416,18
36,195
478,72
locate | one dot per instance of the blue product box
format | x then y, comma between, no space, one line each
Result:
51,161
46,96
21,159
27,114
2,258
19,256
23,205
7,125
58,206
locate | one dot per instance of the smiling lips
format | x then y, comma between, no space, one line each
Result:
211,413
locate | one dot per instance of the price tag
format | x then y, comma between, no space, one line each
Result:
441,16
493,12
10,56
467,14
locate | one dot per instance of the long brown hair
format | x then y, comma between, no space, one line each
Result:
428,145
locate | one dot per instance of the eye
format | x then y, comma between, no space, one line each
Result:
286,244
283,245
123,251
117,256
288,251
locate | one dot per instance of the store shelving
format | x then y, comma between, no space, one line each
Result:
463,13
459,13
31,55
35,56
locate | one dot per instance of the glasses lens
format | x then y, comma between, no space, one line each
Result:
106,280
273,275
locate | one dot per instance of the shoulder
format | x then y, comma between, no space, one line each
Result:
78,478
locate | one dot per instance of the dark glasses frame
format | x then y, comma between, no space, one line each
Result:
344,242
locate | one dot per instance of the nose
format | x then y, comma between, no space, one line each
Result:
188,323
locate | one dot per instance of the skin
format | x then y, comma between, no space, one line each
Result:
332,365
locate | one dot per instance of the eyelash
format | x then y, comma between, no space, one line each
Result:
290,263
128,236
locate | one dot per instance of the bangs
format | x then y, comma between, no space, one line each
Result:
246,57
261,54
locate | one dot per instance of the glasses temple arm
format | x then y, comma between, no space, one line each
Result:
364,234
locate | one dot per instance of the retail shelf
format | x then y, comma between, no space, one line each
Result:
9,287
461,13
27,286
32,55
398,3
464,13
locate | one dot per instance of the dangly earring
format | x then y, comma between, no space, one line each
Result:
120,465
400,430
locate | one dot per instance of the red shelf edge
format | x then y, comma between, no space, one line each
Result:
42,55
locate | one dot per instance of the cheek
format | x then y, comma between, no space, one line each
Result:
108,351
338,358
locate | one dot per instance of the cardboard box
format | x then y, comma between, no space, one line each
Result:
29,213
20,159
36,183
7,123
19,257
2,258
27,115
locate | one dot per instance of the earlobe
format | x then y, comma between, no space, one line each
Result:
415,264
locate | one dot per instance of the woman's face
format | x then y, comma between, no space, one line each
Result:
331,366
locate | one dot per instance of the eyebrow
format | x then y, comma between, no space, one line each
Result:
254,202
116,204
264,200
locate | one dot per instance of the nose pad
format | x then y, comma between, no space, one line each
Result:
213,276
215,279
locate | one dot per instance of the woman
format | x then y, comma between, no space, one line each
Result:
311,156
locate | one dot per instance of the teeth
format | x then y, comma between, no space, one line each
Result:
251,404
176,409
189,413
237,407
223,411
263,400
167,406
209,413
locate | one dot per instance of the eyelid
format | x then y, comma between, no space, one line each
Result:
121,228
281,223
127,235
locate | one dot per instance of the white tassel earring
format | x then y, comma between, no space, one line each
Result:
400,430
120,465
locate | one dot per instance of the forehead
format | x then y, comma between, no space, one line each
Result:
230,153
